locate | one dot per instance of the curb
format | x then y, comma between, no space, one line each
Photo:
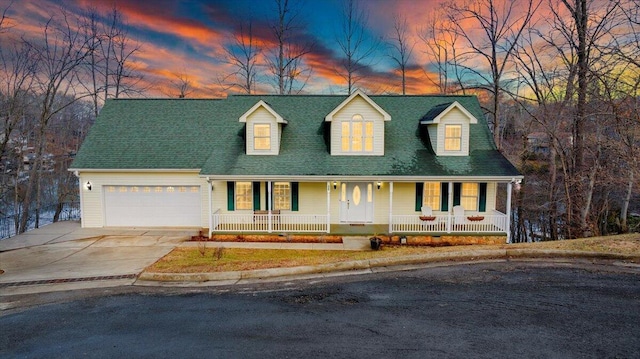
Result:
368,264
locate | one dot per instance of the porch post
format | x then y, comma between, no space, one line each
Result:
210,190
328,207
450,209
269,222
390,207
509,189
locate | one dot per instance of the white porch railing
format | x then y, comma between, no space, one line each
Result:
469,223
249,222
413,223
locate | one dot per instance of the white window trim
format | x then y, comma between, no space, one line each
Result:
276,196
459,138
476,197
363,137
438,197
256,137
237,195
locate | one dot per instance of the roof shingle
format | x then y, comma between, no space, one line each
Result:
206,135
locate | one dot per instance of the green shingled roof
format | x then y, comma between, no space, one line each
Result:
206,135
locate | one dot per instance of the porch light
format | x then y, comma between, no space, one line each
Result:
335,184
379,184
516,183
87,186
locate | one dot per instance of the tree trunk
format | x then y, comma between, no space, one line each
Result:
624,211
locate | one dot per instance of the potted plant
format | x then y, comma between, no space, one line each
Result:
375,242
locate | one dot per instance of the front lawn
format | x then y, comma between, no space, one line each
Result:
203,259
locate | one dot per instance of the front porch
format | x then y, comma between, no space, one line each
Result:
360,208
494,222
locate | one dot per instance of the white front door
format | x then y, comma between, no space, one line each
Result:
356,202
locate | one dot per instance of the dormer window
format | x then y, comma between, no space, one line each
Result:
357,127
357,135
452,137
448,127
263,129
262,136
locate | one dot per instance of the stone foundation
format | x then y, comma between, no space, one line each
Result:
275,238
448,240
432,241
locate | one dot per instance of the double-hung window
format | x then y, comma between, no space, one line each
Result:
431,195
452,137
469,193
282,195
244,196
261,136
357,135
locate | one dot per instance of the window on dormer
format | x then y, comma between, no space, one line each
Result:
261,136
452,137
357,135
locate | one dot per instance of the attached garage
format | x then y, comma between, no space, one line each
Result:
152,206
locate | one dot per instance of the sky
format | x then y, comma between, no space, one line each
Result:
188,38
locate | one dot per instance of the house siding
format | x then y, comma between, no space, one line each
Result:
360,106
404,197
93,208
263,116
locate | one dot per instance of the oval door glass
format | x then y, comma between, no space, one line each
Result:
356,195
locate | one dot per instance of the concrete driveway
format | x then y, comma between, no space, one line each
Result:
65,253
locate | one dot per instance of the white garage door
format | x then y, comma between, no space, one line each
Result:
152,206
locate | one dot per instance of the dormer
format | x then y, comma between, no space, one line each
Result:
357,127
448,126
263,129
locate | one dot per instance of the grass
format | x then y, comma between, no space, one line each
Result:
202,260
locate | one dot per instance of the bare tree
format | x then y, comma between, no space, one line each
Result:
242,54
580,41
401,47
501,24
60,55
18,71
109,61
441,46
355,47
182,84
3,16
286,60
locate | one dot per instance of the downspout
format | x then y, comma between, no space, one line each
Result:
80,191
210,190
450,203
269,221
509,189
390,208
328,207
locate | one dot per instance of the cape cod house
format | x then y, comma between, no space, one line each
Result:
293,164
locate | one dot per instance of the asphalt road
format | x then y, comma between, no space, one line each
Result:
490,310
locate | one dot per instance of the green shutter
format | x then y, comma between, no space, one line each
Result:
444,196
231,196
419,192
256,196
482,205
457,188
294,196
